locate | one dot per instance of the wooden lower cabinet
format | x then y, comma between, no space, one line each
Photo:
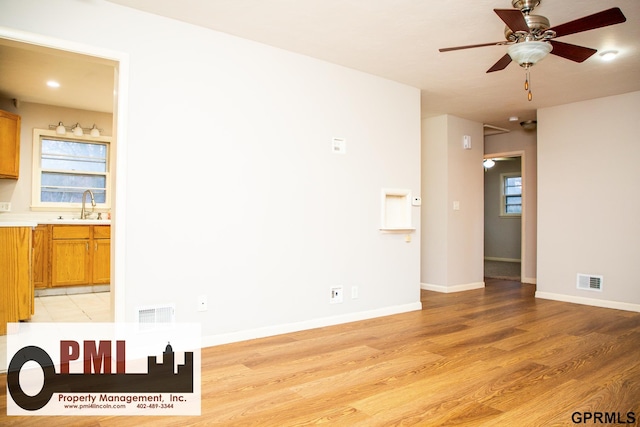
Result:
101,262
79,255
40,257
16,287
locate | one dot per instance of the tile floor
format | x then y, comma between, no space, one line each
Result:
91,307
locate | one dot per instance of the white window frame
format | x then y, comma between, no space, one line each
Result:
36,203
503,196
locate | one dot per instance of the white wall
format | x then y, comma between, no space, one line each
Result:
524,143
232,190
588,205
452,240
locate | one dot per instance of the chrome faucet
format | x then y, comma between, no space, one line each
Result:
83,212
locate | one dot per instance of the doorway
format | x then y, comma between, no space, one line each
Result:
50,49
504,217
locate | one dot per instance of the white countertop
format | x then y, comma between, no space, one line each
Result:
76,221
18,223
33,222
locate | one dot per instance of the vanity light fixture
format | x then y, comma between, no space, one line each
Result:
76,129
488,163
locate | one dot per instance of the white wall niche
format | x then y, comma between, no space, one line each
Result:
395,210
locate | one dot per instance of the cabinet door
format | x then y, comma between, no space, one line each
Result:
101,261
9,145
16,288
41,256
70,262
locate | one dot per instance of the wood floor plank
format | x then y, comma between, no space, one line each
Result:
487,357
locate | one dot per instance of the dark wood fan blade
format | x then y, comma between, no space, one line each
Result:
571,51
597,20
471,46
513,18
501,64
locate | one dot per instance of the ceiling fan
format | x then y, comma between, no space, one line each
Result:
531,37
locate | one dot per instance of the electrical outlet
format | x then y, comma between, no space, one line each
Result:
5,206
336,295
354,292
202,303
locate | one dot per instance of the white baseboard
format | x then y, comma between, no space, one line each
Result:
529,280
589,301
213,340
450,289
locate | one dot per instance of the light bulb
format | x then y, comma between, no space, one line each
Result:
95,132
61,130
77,130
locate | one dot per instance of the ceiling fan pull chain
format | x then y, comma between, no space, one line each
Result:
527,84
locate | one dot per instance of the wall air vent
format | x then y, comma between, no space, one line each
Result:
589,282
153,316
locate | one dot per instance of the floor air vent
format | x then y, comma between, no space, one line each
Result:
589,282
150,317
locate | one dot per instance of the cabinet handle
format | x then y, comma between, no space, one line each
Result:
96,246
87,244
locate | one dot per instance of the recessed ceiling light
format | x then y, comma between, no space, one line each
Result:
53,83
608,55
513,119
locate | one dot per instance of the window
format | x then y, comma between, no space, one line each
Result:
511,194
65,166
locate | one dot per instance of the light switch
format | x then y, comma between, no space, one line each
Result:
456,205
466,142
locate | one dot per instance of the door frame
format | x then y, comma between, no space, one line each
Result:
523,217
120,103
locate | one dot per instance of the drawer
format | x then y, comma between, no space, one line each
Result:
101,231
71,231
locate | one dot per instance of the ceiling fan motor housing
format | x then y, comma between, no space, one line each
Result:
525,6
537,24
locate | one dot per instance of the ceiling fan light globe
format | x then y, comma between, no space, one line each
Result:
530,52
488,163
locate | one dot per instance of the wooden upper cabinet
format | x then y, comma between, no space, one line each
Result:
9,145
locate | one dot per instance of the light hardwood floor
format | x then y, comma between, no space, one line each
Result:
489,357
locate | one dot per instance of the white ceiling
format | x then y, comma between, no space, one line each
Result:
399,40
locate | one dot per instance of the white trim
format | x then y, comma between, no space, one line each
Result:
529,280
231,337
450,289
495,258
589,301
